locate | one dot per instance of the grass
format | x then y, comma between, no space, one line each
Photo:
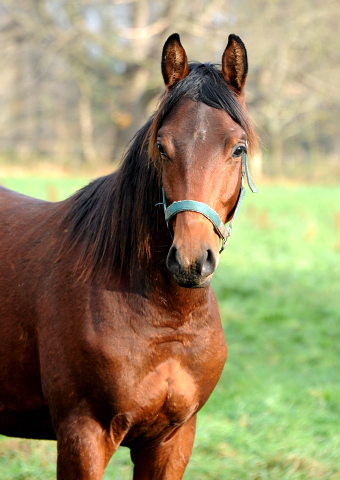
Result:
275,412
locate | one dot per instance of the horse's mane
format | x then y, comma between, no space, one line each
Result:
113,220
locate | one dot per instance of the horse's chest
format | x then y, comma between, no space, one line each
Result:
164,399
169,390
158,376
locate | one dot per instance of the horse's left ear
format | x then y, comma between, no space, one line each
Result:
174,61
235,64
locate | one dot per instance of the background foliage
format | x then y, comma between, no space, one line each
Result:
79,78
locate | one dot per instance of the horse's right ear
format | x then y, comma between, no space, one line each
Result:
174,61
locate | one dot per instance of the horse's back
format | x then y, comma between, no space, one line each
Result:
10,197
17,209
24,222
27,228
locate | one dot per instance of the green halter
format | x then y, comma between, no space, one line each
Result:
193,206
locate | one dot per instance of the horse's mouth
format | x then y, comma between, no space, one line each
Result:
192,281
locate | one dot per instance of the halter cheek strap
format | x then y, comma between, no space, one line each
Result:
193,206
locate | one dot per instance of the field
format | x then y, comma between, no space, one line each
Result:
275,413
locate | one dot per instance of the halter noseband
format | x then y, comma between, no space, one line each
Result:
223,231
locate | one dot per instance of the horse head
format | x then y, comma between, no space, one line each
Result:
201,140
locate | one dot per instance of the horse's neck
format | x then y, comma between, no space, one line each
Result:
184,301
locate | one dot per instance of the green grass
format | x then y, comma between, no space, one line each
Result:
46,188
275,412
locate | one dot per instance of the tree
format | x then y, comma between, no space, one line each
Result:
80,78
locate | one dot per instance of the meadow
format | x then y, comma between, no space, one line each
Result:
275,413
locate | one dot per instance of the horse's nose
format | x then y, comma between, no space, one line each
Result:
202,266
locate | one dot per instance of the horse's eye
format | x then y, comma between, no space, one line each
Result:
161,150
239,150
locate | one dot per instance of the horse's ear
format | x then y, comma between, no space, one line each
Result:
174,61
235,64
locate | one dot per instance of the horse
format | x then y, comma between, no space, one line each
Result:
111,333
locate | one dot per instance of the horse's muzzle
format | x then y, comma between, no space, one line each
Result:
192,273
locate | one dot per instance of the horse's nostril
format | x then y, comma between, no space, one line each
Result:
172,261
203,266
208,264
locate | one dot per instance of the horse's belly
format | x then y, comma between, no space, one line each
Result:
34,424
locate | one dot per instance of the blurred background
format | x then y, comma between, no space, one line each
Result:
78,78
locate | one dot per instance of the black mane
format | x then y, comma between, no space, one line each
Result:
113,220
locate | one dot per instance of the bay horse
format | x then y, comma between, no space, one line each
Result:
111,333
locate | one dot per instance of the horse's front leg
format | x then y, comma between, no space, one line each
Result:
166,461
84,449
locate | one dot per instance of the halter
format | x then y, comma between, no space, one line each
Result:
223,231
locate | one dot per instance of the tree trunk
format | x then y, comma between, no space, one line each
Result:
86,123
277,153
